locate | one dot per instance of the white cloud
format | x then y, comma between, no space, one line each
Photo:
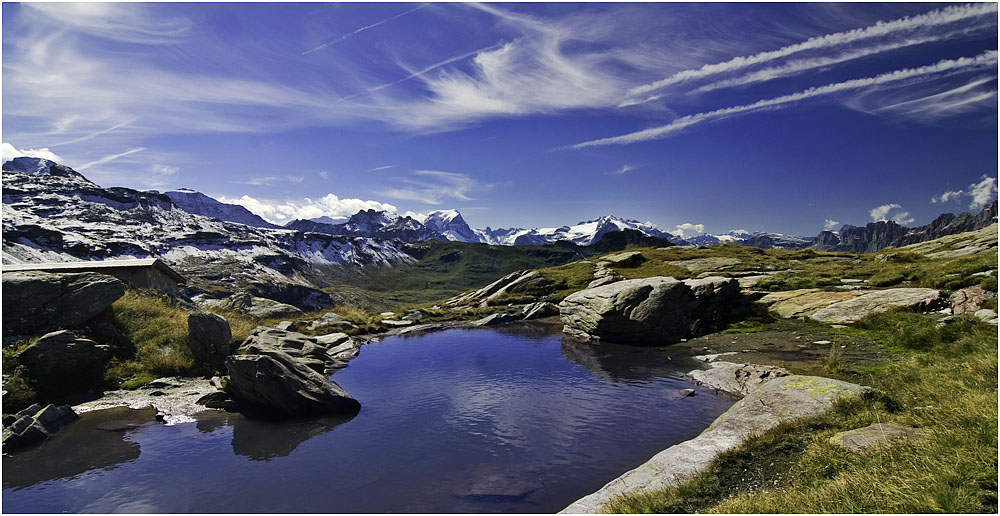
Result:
110,157
878,214
947,196
931,19
900,217
687,226
980,193
830,224
624,169
282,212
116,21
162,170
324,174
984,60
434,187
10,152
384,167
983,192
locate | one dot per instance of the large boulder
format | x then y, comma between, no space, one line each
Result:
61,363
652,311
304,349
34,424
209,337
280,384
852,310
36,301
258,307
515,282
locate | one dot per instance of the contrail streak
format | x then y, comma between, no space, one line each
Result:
988,58
362,29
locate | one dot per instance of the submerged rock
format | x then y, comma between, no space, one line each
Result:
650,311
40,301
34,424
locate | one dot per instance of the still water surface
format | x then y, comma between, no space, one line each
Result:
511,420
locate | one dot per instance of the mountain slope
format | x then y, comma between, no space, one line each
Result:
451,225
198,203
876,236
52,213
372,224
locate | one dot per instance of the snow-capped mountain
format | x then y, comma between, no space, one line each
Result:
586,232
372,224
451,225
52,213
754,239
201,204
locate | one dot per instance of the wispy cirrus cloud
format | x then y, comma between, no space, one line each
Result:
283,211
985,60
434,187
270,180
937,18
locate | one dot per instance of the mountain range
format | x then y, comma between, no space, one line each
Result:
53,213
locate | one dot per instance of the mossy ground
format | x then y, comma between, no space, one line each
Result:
943,380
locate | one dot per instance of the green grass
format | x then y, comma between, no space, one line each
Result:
945,385
157,326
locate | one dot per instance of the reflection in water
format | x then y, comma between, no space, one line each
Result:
619,362
264,439
96,441
508,419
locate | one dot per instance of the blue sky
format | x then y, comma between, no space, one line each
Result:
777,117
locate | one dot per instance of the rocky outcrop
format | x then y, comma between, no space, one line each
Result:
852,310
258,307
627,259
34,424
803,302
775,402
61,363
512,283
277,383
969,300
867,439
41,301
539,310
210,338
306,350
737,379
652,311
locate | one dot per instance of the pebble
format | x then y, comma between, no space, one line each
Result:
822,342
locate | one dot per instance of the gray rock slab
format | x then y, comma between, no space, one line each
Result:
35,302
736,379
209,338
852,310
865,440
